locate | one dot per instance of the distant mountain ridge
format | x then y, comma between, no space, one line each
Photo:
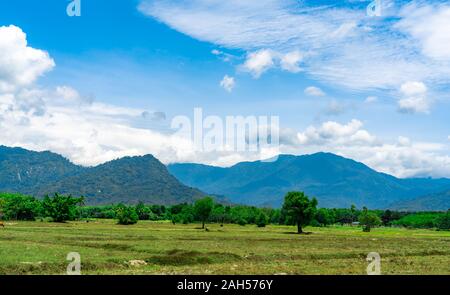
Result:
127,180
336,181
432,202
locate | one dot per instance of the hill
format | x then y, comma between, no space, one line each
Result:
432,202
127,180
334,180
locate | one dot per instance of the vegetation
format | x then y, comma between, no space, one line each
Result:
368,220
61,208
21,207
300,209
203,209
126,215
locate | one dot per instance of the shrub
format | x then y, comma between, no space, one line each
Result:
126,215
443,222
261,220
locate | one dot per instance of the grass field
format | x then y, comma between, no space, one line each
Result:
107,248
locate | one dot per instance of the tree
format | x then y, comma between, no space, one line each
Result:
61,208
443,222
19,207
143,211
325,217
368,220
126,215
300,208
261,220
203,209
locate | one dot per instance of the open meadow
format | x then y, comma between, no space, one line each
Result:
164,248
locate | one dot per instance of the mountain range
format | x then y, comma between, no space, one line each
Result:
336,182
126,180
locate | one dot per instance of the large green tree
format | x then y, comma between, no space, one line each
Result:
203,209
61,208
300,209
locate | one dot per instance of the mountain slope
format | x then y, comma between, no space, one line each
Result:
24,171
432,202
126,180
334,180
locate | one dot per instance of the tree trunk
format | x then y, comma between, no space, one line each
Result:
203,224
299,228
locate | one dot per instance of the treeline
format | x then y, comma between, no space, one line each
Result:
298,210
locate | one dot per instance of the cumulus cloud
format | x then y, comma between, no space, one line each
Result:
314,91
228,83
258,62
20,65
414,98
262,60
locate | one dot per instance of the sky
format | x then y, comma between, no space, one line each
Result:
107,83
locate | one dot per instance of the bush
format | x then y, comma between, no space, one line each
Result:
443,222
126,215
242,221
261,220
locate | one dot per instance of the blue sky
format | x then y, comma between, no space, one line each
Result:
375,89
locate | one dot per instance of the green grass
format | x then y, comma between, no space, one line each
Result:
107,248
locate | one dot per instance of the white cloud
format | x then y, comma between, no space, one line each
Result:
20,65
314,91
414,98
371,99
262,60
258,62
290,61
340,45
430,25
228,83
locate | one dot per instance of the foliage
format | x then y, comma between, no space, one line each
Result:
368,220
419,220
443,221
300,208
262,220
19,207
325,217
203,209
126,215
61,208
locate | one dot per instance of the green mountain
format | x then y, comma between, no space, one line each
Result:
334,180
127,180
432,202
